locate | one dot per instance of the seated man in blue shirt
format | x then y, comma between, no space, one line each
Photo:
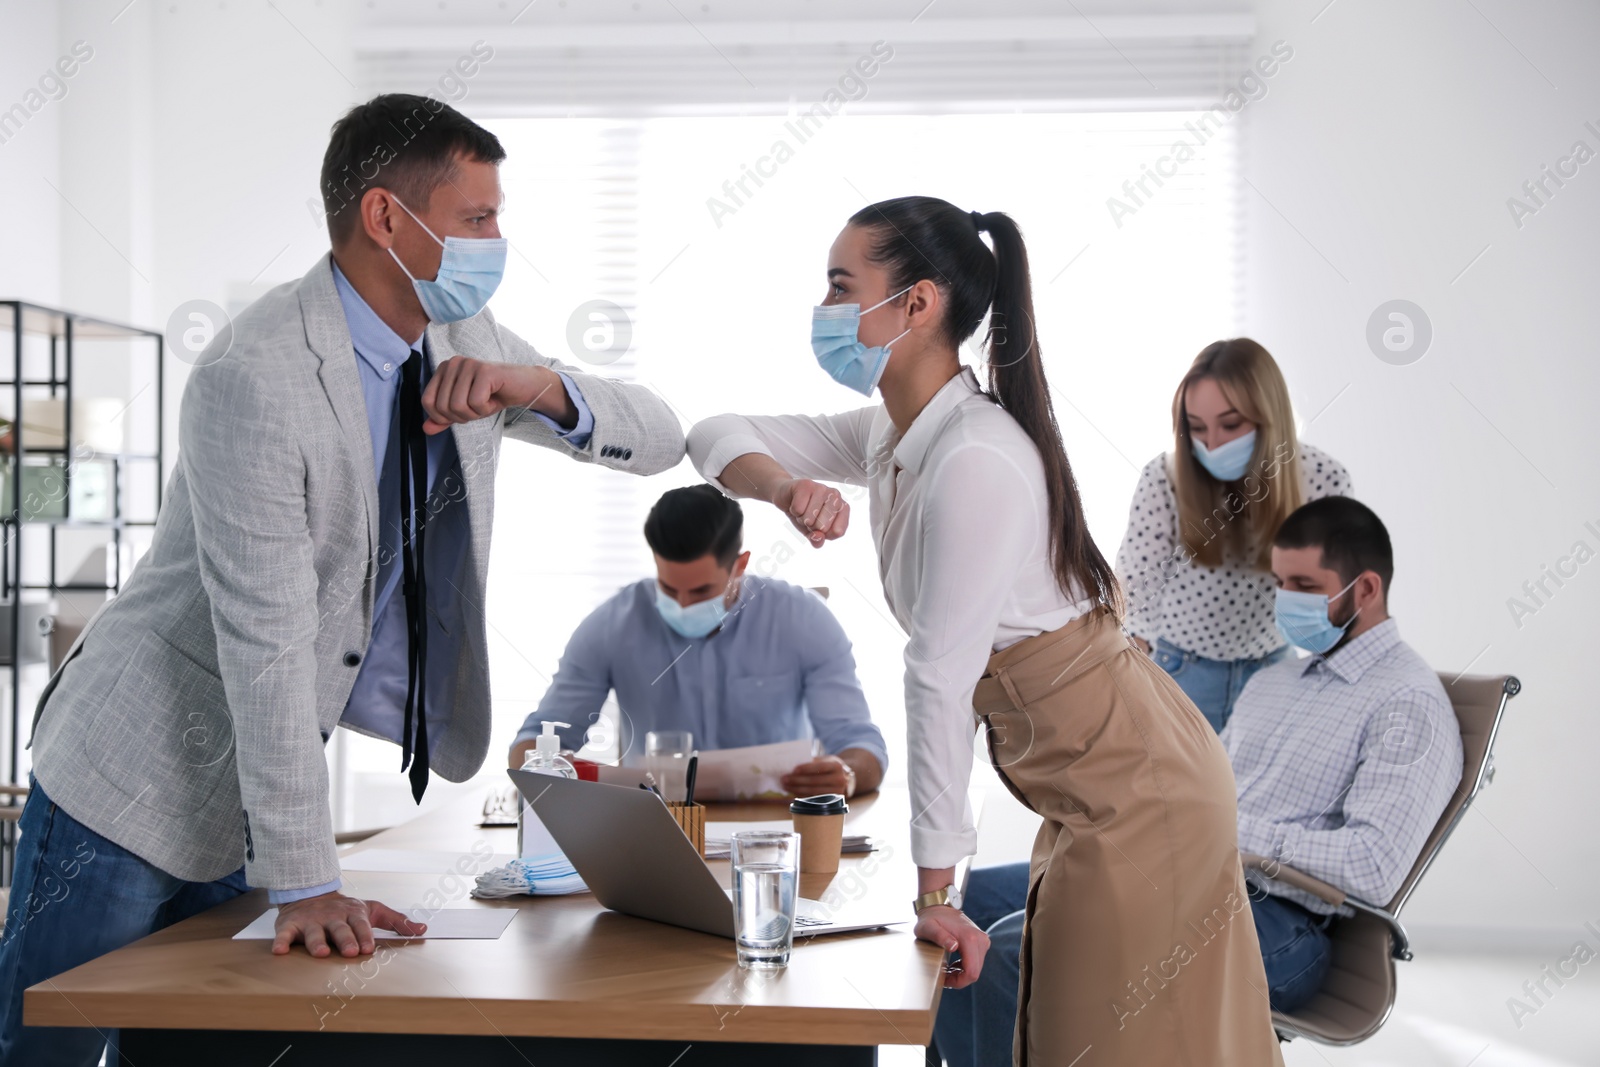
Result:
1344,761
733,658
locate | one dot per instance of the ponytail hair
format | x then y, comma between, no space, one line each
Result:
918,237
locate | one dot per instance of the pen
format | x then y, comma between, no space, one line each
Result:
688,791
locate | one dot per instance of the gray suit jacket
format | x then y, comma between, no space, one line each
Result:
187,723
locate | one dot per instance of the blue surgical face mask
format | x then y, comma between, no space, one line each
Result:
1229,461
693,621
1303,619
840,351
469,273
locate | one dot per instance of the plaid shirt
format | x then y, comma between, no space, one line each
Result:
1344,764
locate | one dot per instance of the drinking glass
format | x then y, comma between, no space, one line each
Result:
666,755
766,867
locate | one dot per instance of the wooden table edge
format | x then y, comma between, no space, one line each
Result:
867,1025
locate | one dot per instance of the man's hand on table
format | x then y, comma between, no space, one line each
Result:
345,921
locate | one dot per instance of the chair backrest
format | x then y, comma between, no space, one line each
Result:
1357,996
1480,703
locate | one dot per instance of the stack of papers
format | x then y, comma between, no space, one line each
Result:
719,848
719,837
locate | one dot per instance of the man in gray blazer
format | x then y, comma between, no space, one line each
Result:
321,560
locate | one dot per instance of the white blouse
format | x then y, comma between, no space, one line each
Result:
958,513
1223,612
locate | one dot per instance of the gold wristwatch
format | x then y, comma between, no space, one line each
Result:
948,895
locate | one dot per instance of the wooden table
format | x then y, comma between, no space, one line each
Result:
568,981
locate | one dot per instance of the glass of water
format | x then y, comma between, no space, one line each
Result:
666,756
765,876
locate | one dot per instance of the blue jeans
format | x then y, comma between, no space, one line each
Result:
975,1025
1213,684
76,896
1294,947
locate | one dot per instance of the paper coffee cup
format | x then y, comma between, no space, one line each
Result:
819,821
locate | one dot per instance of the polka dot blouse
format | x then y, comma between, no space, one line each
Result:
1224,612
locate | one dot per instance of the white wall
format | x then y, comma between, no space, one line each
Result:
1385,153
30,157
244,97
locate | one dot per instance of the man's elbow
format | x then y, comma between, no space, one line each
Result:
875,771
661,427
661,460
1376,883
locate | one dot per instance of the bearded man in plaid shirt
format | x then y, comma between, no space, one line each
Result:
1344,759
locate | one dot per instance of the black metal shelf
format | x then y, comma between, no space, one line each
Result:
64,330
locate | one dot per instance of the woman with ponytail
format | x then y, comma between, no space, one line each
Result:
1132,952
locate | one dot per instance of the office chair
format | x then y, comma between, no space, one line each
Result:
1359,993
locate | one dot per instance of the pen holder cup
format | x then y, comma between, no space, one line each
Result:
692,819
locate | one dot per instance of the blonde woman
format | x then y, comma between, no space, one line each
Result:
1011,617
1194,562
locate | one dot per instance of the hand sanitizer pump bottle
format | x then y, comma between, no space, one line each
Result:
533,840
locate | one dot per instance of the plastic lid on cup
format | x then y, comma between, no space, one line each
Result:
822,804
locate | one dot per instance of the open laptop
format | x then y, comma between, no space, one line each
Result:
631,852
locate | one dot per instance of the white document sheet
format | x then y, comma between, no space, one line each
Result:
479,924
730,774
407,861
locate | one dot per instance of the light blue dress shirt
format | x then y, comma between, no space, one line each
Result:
779,669
377,701
1343,763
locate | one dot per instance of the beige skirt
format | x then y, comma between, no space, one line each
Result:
1138,947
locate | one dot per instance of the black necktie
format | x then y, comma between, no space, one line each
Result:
413,472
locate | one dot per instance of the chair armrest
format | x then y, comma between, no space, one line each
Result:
1282,872
350,837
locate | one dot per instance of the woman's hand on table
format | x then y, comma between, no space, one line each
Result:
955,933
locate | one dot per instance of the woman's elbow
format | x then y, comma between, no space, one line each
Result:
703,437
